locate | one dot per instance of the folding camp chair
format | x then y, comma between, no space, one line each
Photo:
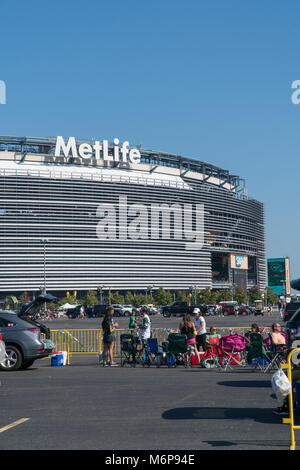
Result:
177,346
256,355
276,355
129,349
212,357
233,347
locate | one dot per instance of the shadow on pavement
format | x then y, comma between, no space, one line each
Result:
247,383
258,443
260,415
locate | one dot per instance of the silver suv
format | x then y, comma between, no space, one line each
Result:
25,339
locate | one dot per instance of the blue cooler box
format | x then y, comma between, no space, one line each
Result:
57,360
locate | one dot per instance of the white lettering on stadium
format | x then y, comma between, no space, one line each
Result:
99,151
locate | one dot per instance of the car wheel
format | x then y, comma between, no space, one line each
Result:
13,360
225,314
26,364
126,314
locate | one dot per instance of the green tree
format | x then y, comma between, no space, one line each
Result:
204,296
254,294
272,298
71,299
181,296
129,298
91,298
240,296
163,297
222,295
140,299
117,298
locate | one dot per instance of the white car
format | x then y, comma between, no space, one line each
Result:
126,310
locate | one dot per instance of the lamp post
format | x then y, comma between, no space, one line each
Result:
44,241
150,288
232,291
266,297
193,290
283,291
100,291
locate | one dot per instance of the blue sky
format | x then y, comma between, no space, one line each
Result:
206,79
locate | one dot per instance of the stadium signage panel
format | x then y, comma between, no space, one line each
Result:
98,151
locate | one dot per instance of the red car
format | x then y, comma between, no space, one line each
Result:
244,310
229,309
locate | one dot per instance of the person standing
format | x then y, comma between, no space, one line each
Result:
82,312
200,325
187,327
108,327
132,321
145,325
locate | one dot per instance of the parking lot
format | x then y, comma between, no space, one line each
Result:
158,321
85,406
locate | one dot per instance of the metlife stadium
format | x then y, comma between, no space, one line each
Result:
78,215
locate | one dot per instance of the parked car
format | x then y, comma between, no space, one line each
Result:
289,310
73,312
259,307
126,310
293,328
244,310
211,309
152,310
179,308
96,311
118,310
229,309
24,337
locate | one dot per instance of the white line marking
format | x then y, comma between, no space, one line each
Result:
12,425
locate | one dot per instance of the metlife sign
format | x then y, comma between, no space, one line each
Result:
98,151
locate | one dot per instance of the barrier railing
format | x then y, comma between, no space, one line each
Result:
291,420
89,341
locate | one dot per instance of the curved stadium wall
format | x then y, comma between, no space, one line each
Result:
62,201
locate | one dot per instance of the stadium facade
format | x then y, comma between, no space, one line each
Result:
78,215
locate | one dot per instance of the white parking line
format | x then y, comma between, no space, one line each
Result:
15,423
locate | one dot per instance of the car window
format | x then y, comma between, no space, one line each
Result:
296,315
4,323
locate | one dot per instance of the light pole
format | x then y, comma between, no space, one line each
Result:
266,297
283,291
100,290
44,241
150,288
193,290
232,291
